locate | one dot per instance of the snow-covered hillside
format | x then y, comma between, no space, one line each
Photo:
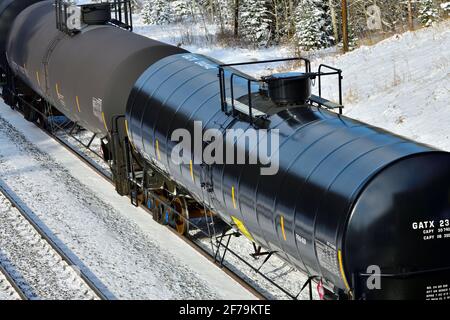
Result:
401,84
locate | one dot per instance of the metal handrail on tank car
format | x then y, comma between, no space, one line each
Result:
127,12
61,15
122,10
249,86
250,80
337,72
223,90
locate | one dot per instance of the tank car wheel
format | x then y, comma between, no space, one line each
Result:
156,210
180,222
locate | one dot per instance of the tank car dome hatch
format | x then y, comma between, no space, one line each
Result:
289,88
96,14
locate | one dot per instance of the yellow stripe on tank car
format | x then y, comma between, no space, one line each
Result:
104,121
78,103
38,79
191,167
341,269
282,228
240,225
157,150
233,196
126,128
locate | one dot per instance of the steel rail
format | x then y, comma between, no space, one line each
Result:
21,293
27,214
196,246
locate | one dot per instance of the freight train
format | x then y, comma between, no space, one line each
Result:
362,209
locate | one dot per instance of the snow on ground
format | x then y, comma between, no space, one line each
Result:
33,264
401,84
7,292
201,39
282,273
119,245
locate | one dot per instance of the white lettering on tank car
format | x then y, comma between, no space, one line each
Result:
437,292
190,57
432,230
202,63
206,65
423,225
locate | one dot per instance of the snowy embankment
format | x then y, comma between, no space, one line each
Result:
121,246
401,84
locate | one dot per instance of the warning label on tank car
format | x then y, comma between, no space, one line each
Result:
432,229
327,255
438,292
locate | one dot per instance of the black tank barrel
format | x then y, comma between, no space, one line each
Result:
9,10
87,77
347,195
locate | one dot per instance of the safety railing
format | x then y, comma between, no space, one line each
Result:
250,80
228,105
121,15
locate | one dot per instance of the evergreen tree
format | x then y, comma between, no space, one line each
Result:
446,8
254,24
156,12
146,10
225,12
428,12
313,25
182,10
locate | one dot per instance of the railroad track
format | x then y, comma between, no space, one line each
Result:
9,289
198,246
193,244
27,224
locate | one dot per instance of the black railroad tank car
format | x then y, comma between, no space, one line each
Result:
9,9
88,77
347,196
